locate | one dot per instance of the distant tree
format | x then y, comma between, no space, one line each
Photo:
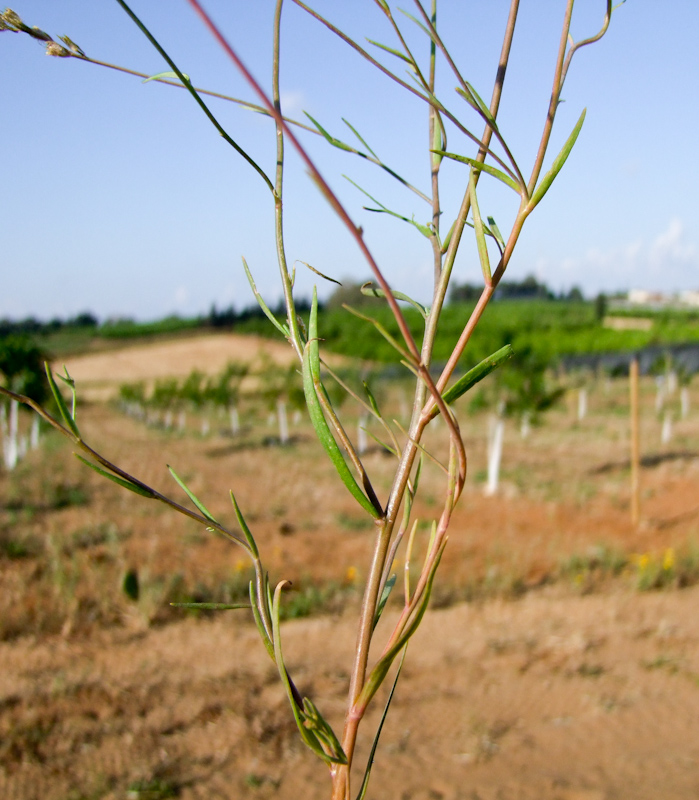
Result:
464,293
527,289
83,320
22,367
600,307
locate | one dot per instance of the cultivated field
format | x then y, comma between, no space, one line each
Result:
560,658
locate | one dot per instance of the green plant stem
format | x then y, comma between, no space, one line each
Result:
295,334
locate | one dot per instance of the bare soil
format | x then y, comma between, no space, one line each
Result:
542,671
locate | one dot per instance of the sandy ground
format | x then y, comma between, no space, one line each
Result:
568,698
580,689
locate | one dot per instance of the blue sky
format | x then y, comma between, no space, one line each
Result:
120,198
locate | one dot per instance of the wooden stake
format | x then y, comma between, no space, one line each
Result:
635,445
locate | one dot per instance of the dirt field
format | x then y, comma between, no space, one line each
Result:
559,679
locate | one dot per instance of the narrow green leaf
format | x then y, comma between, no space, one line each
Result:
473,376
377,736
270,316
311,375
361,139
317,272
387,589
329,138
61,403
386,447
380,328
132,487
557,165
369,290
308,736
266,641
372,399
425,230
481,167
496,233
244,528
197,502
382,209
447,240
210,606
391,51
478,227
166,75
70,383
418,23
482,107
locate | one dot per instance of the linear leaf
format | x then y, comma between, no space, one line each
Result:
473,376
318,272
372,399
377,736
482,107
369,290
418,23
387,447
361,139
132,487
329,137
254,600
557,165
197,502
61,403
308,736
390,50
496,233
387,589
166,75
382,209
311,374
380,328
481,167
480,234
244,528
70,383
270,316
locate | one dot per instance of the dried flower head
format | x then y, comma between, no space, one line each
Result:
12,19
55,49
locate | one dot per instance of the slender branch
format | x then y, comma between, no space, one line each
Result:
585,42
